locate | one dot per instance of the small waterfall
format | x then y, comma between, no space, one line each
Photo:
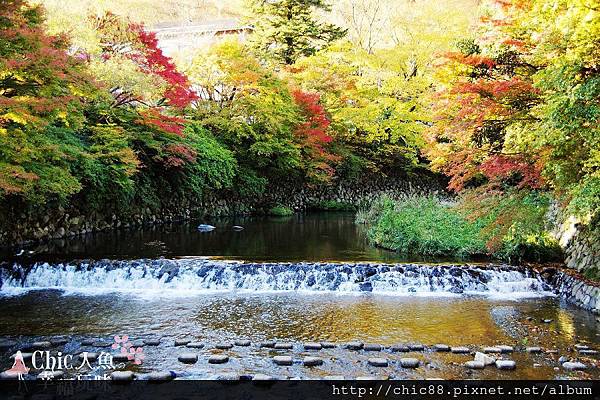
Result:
197,276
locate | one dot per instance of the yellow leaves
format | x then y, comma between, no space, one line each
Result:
11,116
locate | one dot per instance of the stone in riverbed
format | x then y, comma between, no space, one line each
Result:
372,347
161,376
506,364
485,359
121,357
492,349
283,360
460,350
334,378
218,359
475,364
5,344
588,352
243,343
227,376
9,375
268,344
122,376
41,345
400,348
441,348
354,345
223,346
409,362
283,346
563,359
188,358
378,362
195,345
312,361
182,342
102,343
262,377
416,347
313,346
59,341
581,346
328,345
87,342
152,342
547,321
533,349
505,349
574,366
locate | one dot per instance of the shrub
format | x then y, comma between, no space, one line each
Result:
281,211
332,205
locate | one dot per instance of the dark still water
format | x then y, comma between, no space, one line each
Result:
308,237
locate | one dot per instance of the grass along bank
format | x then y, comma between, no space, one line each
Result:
510,227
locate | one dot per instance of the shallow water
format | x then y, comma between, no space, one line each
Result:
137,299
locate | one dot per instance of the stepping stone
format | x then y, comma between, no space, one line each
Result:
416,347
188,358
328,345
182,342
493,349
41,345
59,341
87,342
195,345
441,348
268,344
137,343
120,357
460,350
334,378
372,347
533,349
218,359
151,342
5,344
485,359
574,366
161,376
122,376
474,365
227,376
506,349
588,352
505,364
243,343
312,361
400,348
581,346
283,360
90,356
354,345
378,362
283,346
102,343
223,346
313,346
409,362
262,377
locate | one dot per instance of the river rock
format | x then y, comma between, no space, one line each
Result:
182,342
218,359
460,350
161,376
312,361
416,347
372,347
152,342
505,364
223,346
588,352
492,349
242,343
87,342
563,359
312,346
268,344
354,345
581,346
122,376
328,345
506,349
475,364
9,375
41,345
409,362
400,348
283,346
378,362
59,341
237,228
188,358
334,378
262,377
102,343
121,357
441,348
533,349
485,359
574,366
5,344
195,345
283,360
206,228
227,376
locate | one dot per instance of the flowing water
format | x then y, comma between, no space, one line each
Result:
301,279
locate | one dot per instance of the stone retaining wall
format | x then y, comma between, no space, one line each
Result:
574,289
60,223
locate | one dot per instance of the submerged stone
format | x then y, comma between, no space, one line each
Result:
493,349
312,361
400,348
195,345
416,347
378,362
182,342
41,345
268,344
151,342
223,346
533,349
328,345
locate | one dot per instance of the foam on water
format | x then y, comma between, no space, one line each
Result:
194,276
